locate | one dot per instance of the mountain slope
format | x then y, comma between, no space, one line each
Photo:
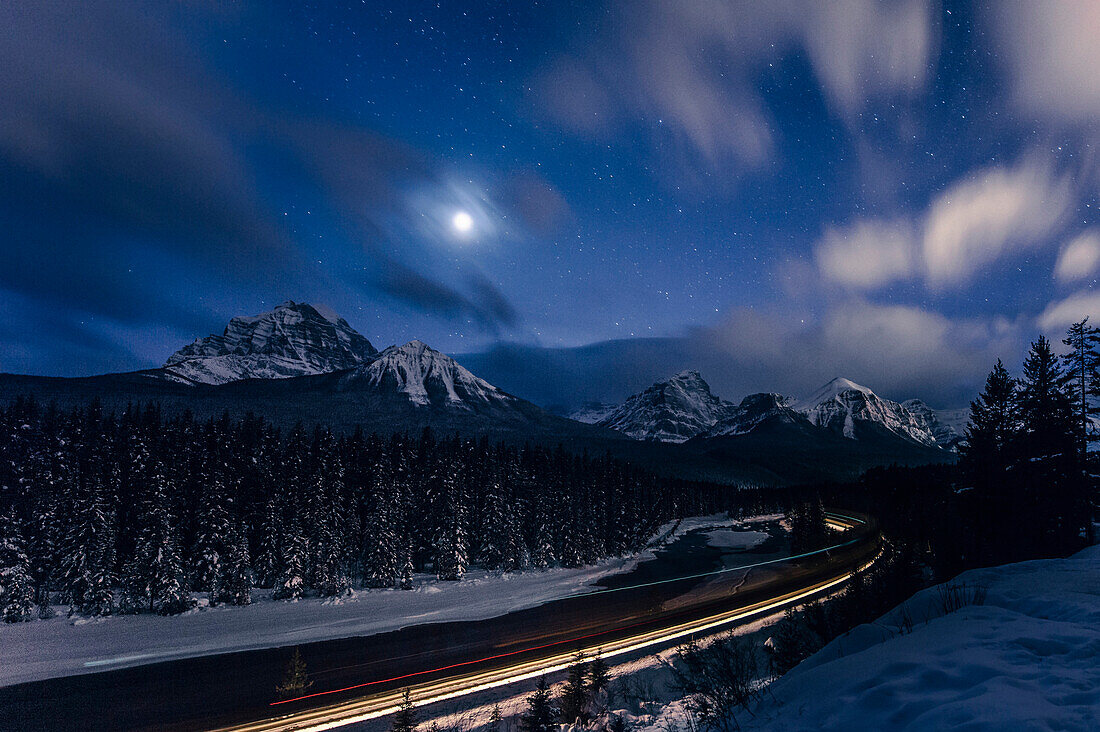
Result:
294,339
669,411
942,424
427,376
845,407
755,410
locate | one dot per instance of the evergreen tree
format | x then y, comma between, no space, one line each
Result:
213,531
291,582
269,557
87,553
540,716
450,542
993,426
1046,411
1049,462
153,578
327,572
790,643
598,675
574,699
1081,363
234,581
296,681
496,719
380,543
406,581
405,718
16,587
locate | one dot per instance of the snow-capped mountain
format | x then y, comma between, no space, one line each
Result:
427,377
669,411
294,339
844,406
945,425
754,410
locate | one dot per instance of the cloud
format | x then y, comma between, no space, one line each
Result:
867,254
899,350
861,49
1051,56
1079,257
131,170
994,213
1061,314
681,75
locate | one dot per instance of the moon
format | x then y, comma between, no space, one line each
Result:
462,222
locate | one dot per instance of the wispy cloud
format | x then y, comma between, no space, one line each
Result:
1079,258
1051,55
681,75
868,254
995,212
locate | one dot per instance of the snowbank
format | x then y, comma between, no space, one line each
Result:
1026,659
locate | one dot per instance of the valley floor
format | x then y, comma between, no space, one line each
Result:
62,646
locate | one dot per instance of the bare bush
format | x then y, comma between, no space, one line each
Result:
957,595
717,679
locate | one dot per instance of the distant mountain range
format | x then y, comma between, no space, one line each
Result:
683,408
303,363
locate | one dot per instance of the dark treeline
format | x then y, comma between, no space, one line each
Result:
1024,488
1025,483
132,512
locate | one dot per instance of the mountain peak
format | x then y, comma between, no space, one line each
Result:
293,339
429,377
674,410
848,408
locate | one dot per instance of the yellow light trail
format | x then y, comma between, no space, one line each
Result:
381,705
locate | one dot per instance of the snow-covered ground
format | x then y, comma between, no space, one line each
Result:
730,539
1026,659
63,646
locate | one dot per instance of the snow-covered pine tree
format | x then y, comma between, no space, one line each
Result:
234,582
541,715
153,578
268,562
87,554
212,531
574,700
496,521
406,581
451,556
291,582
327,573
380,558
16,585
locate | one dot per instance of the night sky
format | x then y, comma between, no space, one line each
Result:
782,192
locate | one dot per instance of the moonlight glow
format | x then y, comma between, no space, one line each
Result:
462,222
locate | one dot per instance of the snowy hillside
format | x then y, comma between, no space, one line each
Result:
426,377
1028,658
294,339
669,411
842,405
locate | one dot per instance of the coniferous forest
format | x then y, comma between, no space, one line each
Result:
132,512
